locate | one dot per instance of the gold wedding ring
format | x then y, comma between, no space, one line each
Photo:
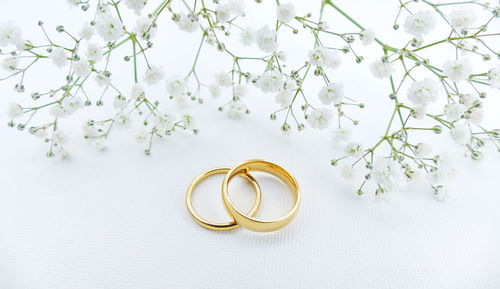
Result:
227,225
247,220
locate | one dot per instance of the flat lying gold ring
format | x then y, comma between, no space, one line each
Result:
227,225
248,221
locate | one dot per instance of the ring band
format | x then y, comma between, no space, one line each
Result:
248,221
227,225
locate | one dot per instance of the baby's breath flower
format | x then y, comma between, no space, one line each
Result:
81,67
102,79
135,5
86,32
9,33
420,23
320,118
388,174
460,133
59,137
462,17
188,23
284,97
494,76
348,172
176,85
341,134
266,39
332,93
120,102
270,81
144,28
165,121
423,92
188,121
94,52
354,149
122,120
457,70
236,109
110,28
141,136
100,144
14,110
324,57
247,36
285,12
153,75
214,90
476,116
381,68
240,90
223,13
137,92
58,56
10,63
454,111
367,36
223,79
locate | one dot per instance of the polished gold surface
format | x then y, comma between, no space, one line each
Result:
220,226
247,220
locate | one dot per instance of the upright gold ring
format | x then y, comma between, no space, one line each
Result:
249,221
227,225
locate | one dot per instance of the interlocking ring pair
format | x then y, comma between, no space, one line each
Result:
239,218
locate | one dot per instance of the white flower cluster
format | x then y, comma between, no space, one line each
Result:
428,93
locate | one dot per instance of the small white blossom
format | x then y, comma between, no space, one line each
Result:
462,17
142,136
223,13
285,12
223,79
266,39
348,172
367,36
102,79
153,75
109,28
73,2
165,121
423,92
240,90
442,193
468,99
341,134
319,118
388,174
71,104
332,93
445,170
476,116
236,109
86,32
10,63
9,33
100,144
176,85
41,132
454,111
94,52
81,67
237,7
419,111
135,5
120,102
122,120
247,36
57,111
14,110
188,23
423,150
494,76
460,133
188,121
59,137
324,57
420,23
457,70
215,90
354,149
58,56
137,92
144,28
382,69
284,97
270,81
90,131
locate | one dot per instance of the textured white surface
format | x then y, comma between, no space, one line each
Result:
117,219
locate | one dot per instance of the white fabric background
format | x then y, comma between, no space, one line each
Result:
117,219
